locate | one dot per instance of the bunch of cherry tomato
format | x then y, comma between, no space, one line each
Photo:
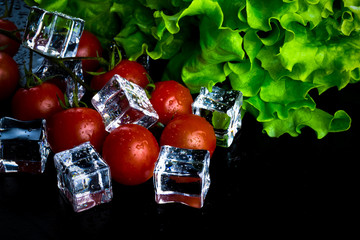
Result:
130,150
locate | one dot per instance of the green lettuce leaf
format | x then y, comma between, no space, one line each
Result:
320,121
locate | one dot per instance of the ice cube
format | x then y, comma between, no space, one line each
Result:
182,175
53,34
23,145
83,177
221,108
121,102
48,69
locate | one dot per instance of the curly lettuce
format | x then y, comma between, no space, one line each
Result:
274,51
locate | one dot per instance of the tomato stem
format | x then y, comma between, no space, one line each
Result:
60,63
8,10
31,79
160,125
11,35
115,56
65,105
150,87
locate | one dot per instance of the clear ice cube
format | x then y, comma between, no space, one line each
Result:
47,69
83,177
23,145
221,108
121,102
53,34
182,175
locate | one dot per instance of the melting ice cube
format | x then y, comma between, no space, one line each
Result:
182,175
53,34
23,145
83,177
121,102
222,109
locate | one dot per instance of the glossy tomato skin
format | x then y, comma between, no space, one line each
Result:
12,46
89,46
130,70
99,81
71,127
9,76
189,131
131,152
171,99
37,102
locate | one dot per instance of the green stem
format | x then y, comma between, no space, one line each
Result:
31,79
57,61
101,60
11,34
8,10
60,63
76,94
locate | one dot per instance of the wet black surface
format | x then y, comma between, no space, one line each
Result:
257,183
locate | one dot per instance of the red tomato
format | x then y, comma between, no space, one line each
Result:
171,99
89,46
131,152
9,75
189,131
59,82
71,127
130,70
11,46
37,102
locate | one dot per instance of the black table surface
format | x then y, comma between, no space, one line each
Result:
258,181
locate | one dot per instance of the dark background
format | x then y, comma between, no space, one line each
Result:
258,185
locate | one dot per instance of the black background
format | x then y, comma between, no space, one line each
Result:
259,184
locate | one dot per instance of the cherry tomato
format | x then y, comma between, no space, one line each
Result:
11,46
130,70
71,127
89,46
37,102
189,131
171,99
59,82
9,75
131,152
